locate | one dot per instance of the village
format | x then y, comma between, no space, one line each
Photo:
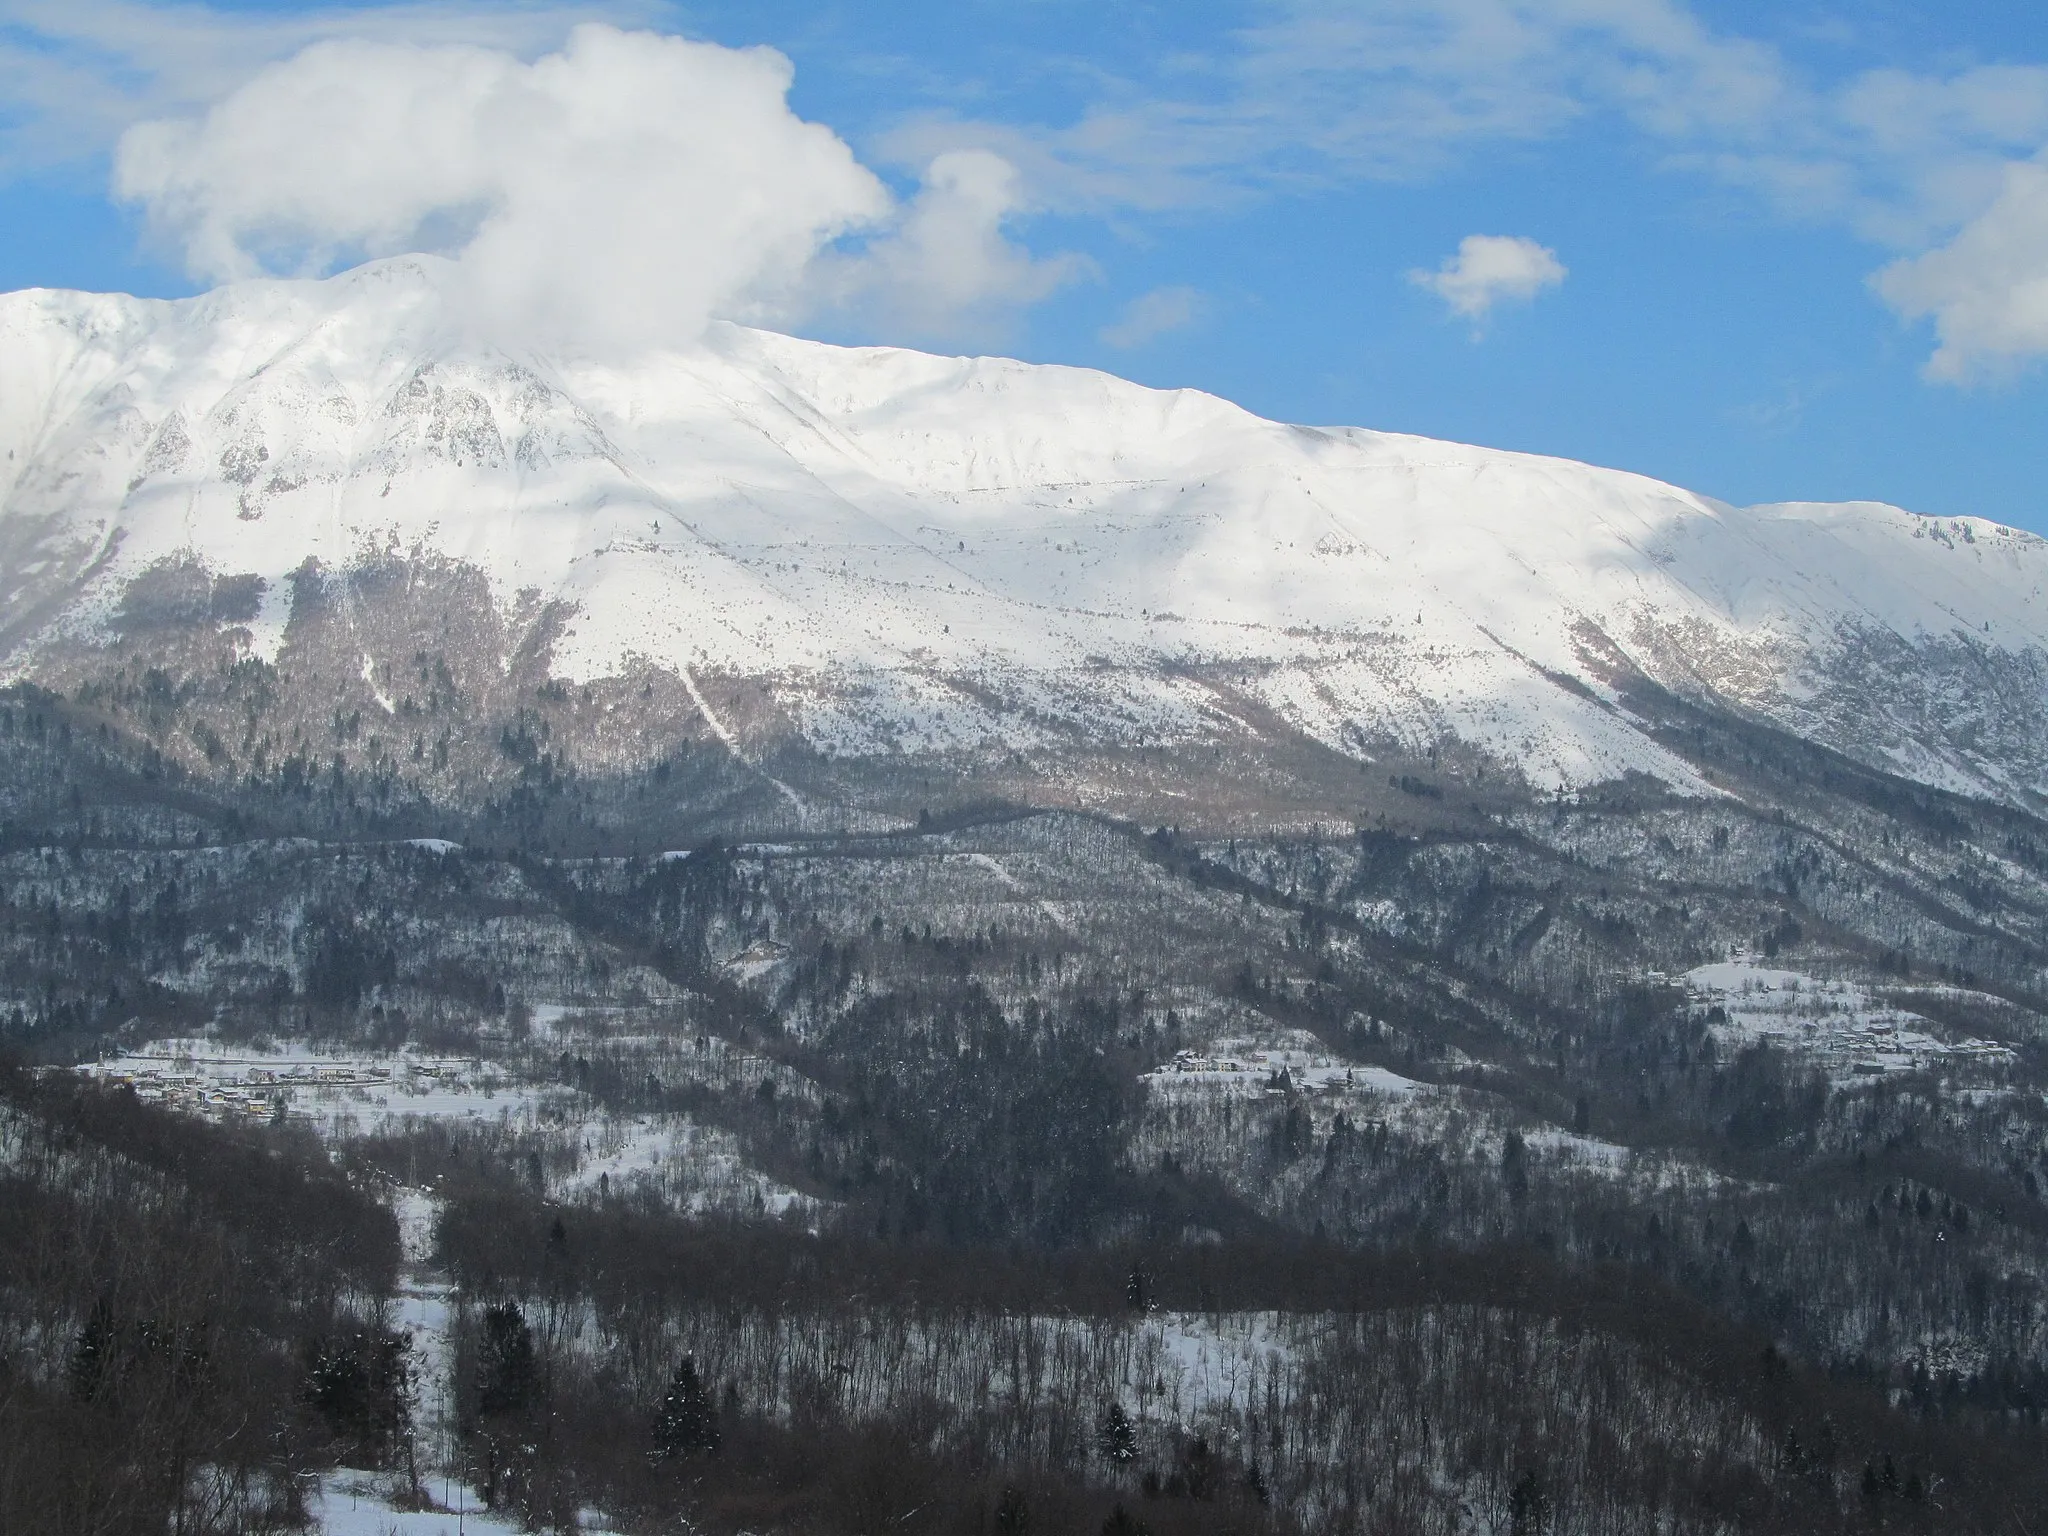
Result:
1842,1027
205,1077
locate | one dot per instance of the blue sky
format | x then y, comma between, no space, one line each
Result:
1239,198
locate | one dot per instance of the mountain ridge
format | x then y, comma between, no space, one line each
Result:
900,557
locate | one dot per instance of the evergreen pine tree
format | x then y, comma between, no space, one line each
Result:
1528,1505
508,1379
1013,1514
1255,1482
92,1353
686,1422
1116,1436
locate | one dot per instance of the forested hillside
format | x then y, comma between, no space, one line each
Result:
1608,1162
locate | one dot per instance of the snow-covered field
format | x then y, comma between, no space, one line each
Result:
689,1167
357,1504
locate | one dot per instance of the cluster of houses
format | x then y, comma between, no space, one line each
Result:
1837,1024
230,1087
1276,1072
1875,1047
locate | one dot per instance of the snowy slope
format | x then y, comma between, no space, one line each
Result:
920,553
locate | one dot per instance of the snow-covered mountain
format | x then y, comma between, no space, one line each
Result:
880,553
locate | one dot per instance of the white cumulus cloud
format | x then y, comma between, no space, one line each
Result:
615,194
1489,270
947,267
1986,290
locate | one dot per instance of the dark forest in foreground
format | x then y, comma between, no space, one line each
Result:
755,1373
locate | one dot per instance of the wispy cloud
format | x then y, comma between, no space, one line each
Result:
1782,412
1325,91
1152,315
